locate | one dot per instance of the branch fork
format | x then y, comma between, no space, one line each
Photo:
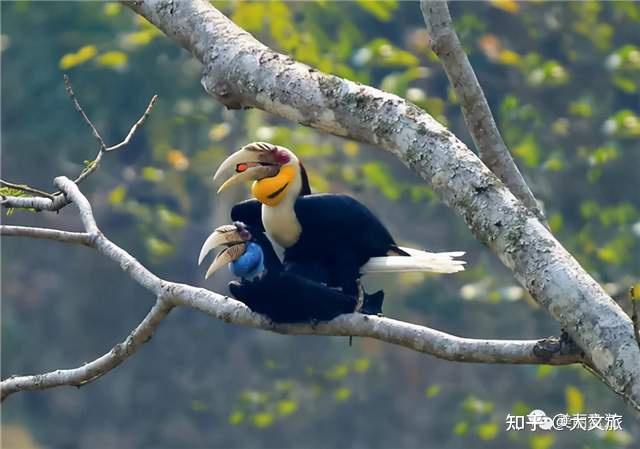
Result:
56,201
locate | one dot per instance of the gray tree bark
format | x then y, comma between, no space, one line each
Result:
240,72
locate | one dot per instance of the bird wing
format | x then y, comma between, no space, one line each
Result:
340,220
342,225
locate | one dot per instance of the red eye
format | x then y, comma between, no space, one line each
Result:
241,167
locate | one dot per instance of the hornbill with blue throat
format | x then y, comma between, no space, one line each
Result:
267,288
332,231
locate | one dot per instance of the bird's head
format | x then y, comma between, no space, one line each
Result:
276,171
243,255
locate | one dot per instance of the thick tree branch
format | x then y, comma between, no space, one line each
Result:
241,72
169,294
476,111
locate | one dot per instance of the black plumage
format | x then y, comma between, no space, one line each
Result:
296,293
339,235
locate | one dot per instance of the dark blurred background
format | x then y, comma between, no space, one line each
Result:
563,80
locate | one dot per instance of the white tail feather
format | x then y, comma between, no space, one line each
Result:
420,261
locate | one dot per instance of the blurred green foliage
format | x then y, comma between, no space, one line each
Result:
563,82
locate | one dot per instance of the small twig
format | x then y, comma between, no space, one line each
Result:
25,188
135,127
93,165
55,201
76,104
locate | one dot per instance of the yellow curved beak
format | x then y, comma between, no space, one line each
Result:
252,162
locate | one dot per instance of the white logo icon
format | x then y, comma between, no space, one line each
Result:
539,419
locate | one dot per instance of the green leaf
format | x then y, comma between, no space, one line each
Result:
318,182
152,174
254,397
139,38
361,365
554,163
249,15
574,399
617,250
117,195
378,175
624,123
476,405
541,441
171,219
113,59
510,6
433,390
381,9
159,248
342,394
487,431
581,108
286,407
83,55
282,25
337,372
625,84
521,408
544,370
555,223
385,54
112,9
237,417
9,191
461,428
262,420
589,209
618,438
528,151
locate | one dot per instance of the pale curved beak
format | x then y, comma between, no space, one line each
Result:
229,236
251,173
252,162
225,257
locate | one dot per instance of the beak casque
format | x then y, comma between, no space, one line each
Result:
229,236
252,162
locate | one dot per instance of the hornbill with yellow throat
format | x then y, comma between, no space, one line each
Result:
331,231
267,288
